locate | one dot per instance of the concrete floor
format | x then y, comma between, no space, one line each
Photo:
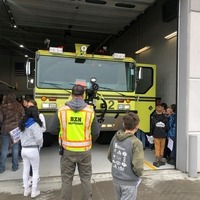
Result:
50,163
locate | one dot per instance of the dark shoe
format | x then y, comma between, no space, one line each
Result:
9,155
171,162
15,169
161,162
1,171
167,158
156,164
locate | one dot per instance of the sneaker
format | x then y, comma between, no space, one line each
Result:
35,193
2,171
156,164
27,192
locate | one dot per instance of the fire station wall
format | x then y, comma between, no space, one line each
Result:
150,31
8,74
188,158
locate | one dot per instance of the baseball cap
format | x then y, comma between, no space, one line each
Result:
78,90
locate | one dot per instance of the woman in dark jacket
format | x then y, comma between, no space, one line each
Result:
12,113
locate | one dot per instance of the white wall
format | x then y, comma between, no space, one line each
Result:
150,30
194,72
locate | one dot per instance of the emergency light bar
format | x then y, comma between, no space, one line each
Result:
118,55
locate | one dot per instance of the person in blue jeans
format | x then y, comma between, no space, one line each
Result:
142,137
12,112
4,152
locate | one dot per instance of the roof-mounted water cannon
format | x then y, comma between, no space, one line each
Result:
91,95
91,91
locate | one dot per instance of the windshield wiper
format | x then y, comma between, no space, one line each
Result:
56,85
10,86
110,89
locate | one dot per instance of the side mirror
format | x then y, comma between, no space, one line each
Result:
28,68
140,73
138,78
29,80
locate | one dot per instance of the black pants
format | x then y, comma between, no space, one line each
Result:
31,171
167,151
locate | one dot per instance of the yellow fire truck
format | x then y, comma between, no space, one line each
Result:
121,85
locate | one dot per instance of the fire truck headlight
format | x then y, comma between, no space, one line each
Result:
49,105
123,107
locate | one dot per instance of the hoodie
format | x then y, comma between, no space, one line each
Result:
76,105
127,157
159,126
32,135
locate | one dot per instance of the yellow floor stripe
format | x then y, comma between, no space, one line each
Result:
149,165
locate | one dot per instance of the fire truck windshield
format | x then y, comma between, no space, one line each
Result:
62,72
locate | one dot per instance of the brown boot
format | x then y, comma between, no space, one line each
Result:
161,162
156,163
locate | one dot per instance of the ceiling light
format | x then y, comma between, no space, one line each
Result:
171,35
125,5
21,46
96,1
26,56
142,50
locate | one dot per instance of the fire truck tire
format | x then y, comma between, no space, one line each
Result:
105,137
47,139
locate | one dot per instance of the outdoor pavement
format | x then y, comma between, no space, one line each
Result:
155,185
164,183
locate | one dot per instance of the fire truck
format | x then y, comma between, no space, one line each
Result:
114,85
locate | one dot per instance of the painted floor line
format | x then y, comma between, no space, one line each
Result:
149,165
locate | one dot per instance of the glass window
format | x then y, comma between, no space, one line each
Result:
144,79
58,72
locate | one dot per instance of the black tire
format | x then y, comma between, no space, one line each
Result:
47,139
105,137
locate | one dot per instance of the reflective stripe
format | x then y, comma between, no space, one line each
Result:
87,125
78,140
77,144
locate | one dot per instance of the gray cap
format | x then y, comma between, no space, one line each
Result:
78,90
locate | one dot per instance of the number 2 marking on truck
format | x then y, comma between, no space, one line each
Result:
111,104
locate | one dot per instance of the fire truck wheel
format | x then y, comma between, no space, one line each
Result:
105,137
47,139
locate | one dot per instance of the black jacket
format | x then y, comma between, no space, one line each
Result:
159,126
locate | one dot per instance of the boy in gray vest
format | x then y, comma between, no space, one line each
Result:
127,157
